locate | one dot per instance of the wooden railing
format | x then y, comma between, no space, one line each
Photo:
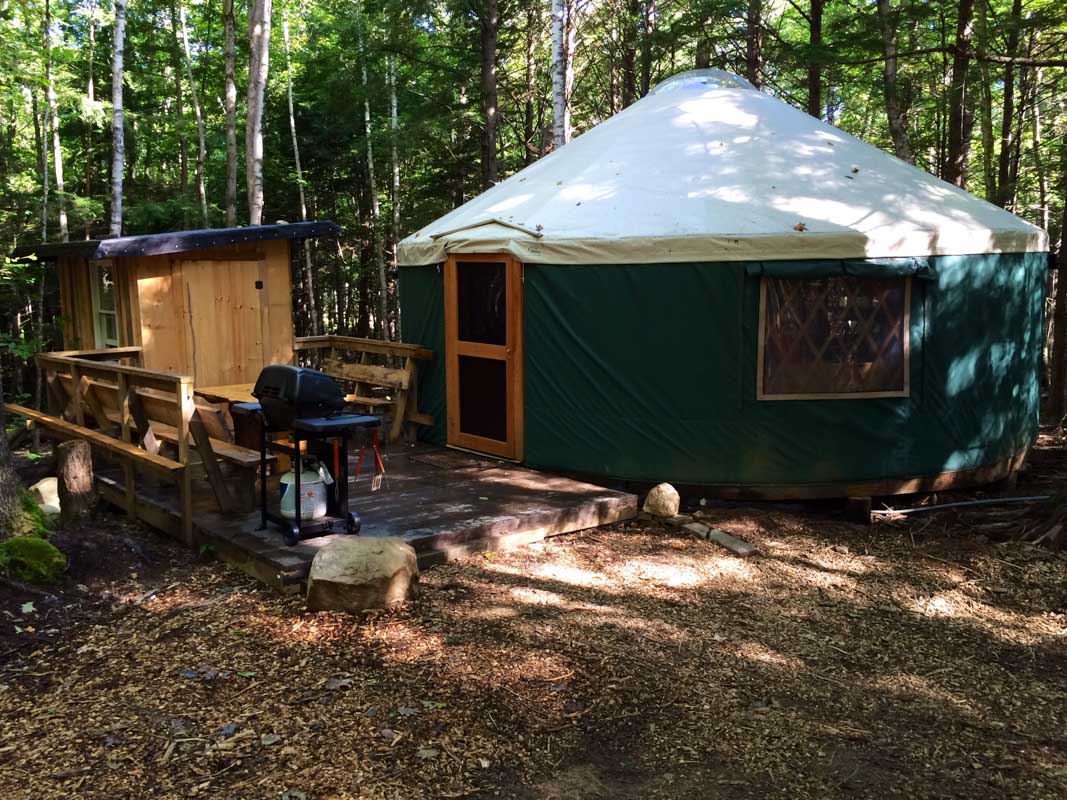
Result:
79,383
383,385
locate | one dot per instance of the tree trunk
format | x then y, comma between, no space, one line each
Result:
90,93
118,148
74,469
489,23
895,114
1058,389
533,24
631,11
259,13
10,502
394,137
230,105
814,56
309,280
179,102
53,115
754,42
648,29
1008,109
1043,219
201,152
40,138
562,70
372,188
954,169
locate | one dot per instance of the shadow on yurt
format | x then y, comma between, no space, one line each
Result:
714,288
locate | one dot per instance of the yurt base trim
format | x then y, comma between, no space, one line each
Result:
942,482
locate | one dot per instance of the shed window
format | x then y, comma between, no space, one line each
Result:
834,337
105,321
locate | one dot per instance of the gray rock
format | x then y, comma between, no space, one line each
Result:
663,501
739,547
698,530
357,573
678,521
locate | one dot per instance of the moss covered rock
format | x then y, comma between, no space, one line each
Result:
33,559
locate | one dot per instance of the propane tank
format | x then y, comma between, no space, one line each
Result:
314,480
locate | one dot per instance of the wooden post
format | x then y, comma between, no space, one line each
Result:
76,385
127,467
186,409
77,498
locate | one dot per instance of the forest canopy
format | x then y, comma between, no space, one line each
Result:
384,115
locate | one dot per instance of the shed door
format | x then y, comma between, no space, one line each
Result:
483,351
226,320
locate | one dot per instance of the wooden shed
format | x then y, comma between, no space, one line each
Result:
214,304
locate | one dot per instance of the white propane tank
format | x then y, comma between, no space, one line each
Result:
314,478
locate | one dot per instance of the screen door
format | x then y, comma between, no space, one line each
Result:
483,348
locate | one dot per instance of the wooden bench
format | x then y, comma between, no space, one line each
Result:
347,359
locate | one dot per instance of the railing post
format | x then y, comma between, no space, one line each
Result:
127,467
78,389
186,408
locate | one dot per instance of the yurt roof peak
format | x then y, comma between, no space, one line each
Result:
708,168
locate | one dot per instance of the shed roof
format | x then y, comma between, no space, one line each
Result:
155,244
708,168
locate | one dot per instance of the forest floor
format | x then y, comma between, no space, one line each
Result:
908,659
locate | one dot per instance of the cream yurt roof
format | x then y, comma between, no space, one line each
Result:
708,168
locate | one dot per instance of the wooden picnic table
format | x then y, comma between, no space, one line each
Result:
233,393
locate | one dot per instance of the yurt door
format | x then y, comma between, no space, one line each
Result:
483,352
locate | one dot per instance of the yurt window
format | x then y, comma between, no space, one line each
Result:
834,337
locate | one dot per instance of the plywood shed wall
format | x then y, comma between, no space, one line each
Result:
218,314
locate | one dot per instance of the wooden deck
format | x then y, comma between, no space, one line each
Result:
444,502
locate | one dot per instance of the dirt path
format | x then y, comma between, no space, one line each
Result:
622,663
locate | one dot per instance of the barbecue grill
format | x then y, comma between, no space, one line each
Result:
309,405
287,393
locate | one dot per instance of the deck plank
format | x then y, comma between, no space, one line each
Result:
446,504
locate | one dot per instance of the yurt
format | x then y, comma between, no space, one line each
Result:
716,289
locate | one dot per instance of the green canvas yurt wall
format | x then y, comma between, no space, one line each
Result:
718,289
660,382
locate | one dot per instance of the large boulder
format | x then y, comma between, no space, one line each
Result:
355,573
663,501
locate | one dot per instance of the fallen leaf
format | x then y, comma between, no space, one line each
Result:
27,608
268,739
426,753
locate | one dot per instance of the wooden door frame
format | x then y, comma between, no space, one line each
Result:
511,353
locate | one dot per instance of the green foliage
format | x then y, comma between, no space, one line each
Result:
33,517
33,559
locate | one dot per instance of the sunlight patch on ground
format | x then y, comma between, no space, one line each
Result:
674,576
910,685
758,652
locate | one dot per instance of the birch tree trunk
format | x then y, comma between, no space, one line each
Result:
90,93
179,101
394,131
562,70
53,115
375,221
533,23
201,151
754,42
230,105
309,280
118,148
954,169
488,23
895,115
259,13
